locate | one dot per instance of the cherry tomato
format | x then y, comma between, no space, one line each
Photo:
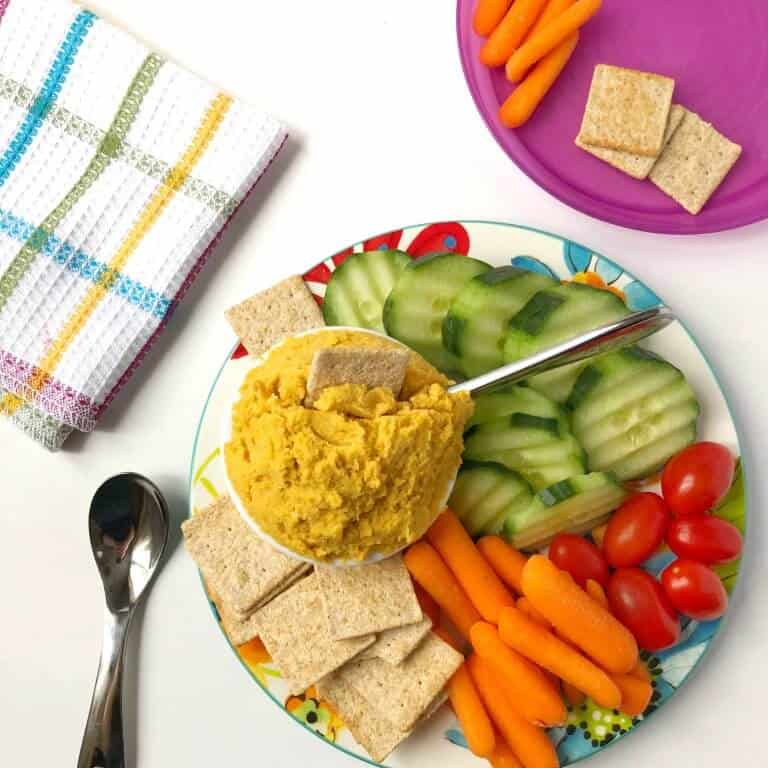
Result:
706,539
639,603
695,590
697,478
579,557
636,530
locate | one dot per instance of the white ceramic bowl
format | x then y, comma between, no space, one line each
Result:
226,436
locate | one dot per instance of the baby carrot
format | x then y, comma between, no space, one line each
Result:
429,570
503,756
635,694
522,102
529,743
533,695
550,37
552,10
504,559
483,587
596,592
428,605
470,711
488,14
573,695
510,32
524,604
578,617
540,646
640,671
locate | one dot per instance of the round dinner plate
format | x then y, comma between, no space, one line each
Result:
440,741
717,52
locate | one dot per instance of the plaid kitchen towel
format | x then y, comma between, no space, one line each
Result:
118,172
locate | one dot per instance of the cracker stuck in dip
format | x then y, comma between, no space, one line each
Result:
362,471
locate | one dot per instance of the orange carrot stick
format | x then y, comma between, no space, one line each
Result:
542,647
549,37
552,10
635,694
428,605
522,102
505,560
640,671
481,584
510,32
470,711
578,617
533,695
524,604
597,593
488,14
573,695
529,743
503,756
429,570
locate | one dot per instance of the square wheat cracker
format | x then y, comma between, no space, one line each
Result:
404,692
238,630
627,110
357,365
368,598
270,316
240,568
694,163
294,630
395,645
636,166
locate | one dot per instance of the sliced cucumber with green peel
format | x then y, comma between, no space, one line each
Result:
575,505
554,315
475,326
359,286
416,307
632,411
485,494
495,405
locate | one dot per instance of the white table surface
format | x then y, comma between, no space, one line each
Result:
384,133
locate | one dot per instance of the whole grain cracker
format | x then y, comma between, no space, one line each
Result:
357,365
242,569
694,163
403,693
294,630
238,630
395,645
368,598
636,166
270,316
302,571
627,110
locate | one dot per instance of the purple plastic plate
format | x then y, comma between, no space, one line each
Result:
717,51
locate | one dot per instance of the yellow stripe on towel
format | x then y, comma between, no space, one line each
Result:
151,212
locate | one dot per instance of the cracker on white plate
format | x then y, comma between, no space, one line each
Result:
238,630
368,598
636,166
294,630
694,163
395,645
627,110
270,316
242,569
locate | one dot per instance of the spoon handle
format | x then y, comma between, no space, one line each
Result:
102,745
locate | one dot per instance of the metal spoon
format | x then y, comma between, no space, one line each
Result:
128,525
606,338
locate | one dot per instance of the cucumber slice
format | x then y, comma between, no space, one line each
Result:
554,315
495,405
476,323
632,412
416,306
510,433
485,494
358,288
576,504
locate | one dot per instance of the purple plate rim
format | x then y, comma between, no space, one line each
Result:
676,223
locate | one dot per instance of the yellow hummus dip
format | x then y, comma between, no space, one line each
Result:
360,471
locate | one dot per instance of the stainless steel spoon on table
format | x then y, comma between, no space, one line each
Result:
128,526
606,338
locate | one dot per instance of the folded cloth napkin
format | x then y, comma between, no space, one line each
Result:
118,172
